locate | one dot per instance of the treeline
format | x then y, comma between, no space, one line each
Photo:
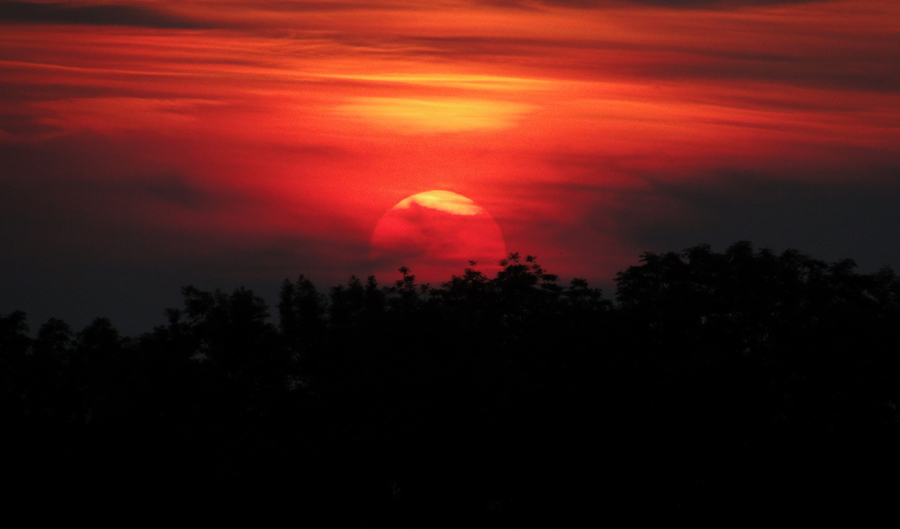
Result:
741,382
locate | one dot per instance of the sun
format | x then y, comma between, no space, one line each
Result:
436,234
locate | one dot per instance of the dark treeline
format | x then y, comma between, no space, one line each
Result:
745,382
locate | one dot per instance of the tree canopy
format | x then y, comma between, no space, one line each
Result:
507,400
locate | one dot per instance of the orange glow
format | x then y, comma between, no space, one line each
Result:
412,116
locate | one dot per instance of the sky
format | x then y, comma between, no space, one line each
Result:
150,145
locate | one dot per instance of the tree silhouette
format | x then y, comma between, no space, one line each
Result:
507,400
301,312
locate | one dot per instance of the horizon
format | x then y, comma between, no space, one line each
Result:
270,294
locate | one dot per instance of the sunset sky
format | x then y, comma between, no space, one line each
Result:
148,145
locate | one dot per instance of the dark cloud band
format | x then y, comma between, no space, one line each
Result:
93,15
671,4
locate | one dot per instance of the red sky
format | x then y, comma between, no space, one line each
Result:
149,145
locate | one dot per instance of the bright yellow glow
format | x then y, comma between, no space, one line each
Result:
442,201
411,116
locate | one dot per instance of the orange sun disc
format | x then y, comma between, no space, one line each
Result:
435,234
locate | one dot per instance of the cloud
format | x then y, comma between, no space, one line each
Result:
668,4
94,15
597,215
88,228
57,203
437,115
681,47
306,6
828,220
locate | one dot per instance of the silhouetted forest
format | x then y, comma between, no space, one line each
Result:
741,384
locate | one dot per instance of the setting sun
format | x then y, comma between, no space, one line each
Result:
436,234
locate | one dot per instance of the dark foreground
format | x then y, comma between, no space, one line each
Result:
732,386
